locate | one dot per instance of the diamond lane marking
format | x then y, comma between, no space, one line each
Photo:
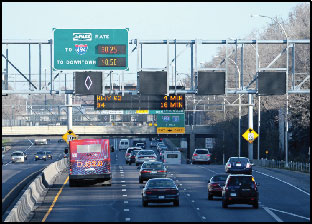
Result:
203,217
193,201
188,194
197,208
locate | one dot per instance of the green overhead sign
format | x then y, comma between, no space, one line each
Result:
90,49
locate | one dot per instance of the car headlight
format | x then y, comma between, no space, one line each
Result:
43,156
36,156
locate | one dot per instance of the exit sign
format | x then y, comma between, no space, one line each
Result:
90,49
171,123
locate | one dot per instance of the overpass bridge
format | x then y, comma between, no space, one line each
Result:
56,132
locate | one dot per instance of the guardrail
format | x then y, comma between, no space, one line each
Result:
36,192
295,166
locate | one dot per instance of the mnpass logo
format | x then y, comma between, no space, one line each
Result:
82,36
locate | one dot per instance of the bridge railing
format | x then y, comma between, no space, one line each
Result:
295,166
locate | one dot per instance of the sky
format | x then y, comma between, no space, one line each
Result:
146,21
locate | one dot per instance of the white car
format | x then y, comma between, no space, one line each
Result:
145,155
41,141
201,155
18,156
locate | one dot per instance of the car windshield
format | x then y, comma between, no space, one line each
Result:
161,183
40,153
201,151
145,152
220,178
49,153
17,154
241,160
240,181
153,165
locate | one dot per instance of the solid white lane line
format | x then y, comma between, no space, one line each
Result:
284,182
272,214
289,213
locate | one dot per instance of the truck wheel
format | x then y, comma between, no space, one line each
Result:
176,203
210,197
144,203
224,204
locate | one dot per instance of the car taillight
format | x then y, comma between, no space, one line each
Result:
148,192
229,165
195,154
208,155
215,185
145,171
128,154
255,185
70,171
162,171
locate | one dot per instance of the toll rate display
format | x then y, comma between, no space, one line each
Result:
139,102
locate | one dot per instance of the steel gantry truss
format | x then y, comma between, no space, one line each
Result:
194,45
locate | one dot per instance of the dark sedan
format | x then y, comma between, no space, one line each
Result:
41,156
152,169
49,154
132,156
215,185
238,165
240,189
160,190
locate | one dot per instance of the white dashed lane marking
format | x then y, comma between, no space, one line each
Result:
126,210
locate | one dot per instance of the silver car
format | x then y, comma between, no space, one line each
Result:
18,156
201,155
145,155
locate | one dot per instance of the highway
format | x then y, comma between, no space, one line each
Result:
283,196
14,173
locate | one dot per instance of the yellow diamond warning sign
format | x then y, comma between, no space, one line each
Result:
170,130
69,135
250,135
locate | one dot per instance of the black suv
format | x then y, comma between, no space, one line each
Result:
240,189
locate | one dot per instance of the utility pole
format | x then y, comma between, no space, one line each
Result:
69,112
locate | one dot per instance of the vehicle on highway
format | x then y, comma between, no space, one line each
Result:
66,150
171,157
89,159
240,189
160,190
128,153
49,154
61,140
159,144
216,184
41,141
161,151
124,144
18,156
145,155
201,155
152,169
238,165
41,155
153,143
140,144
132,156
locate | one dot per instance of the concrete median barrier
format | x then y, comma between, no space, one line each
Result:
35,192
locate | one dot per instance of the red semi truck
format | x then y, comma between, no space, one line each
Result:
89,160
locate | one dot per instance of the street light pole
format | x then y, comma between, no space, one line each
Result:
286,117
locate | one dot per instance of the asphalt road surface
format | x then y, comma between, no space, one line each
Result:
283,196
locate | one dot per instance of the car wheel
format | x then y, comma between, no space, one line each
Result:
45,159
126,162
129,164
176,203
210,196
140,181
208,162
256,205
144,203
224,204
136,164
